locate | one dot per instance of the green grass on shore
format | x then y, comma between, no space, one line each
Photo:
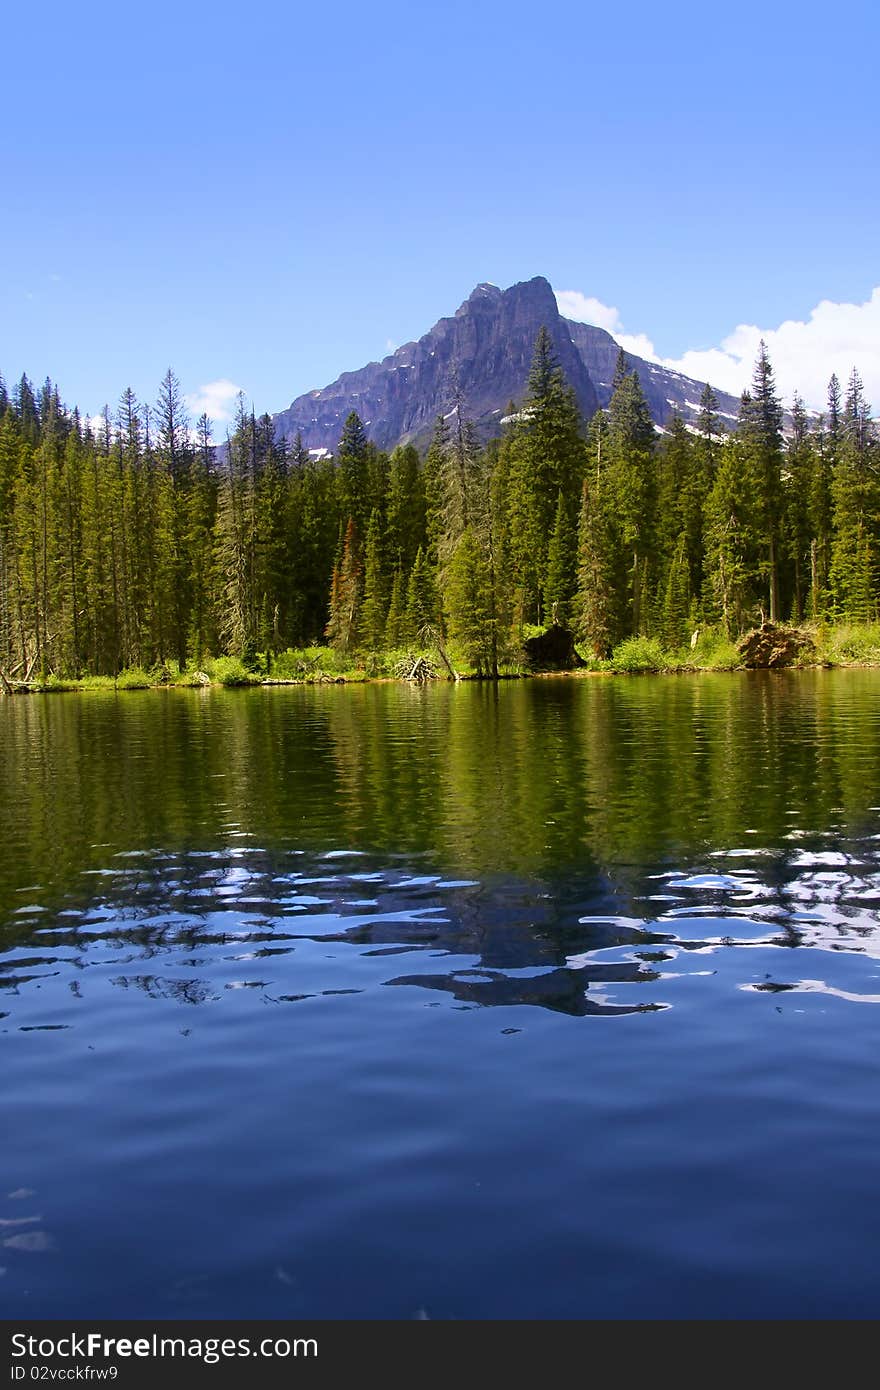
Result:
847,644
842,644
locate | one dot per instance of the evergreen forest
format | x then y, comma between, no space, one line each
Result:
142,545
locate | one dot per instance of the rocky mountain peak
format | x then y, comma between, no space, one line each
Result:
484,296
486,346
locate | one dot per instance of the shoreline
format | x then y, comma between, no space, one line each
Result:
770,647
107,686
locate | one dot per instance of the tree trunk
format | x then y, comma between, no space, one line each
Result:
725,608
774,583
636,594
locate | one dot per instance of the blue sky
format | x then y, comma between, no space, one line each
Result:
269,195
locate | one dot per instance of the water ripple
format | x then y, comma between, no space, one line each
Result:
501,944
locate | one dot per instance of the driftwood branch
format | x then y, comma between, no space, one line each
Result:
431,635
416,669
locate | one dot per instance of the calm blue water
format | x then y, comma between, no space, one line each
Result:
556,999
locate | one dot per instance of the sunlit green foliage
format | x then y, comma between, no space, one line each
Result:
134,549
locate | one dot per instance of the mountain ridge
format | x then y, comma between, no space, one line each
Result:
484,350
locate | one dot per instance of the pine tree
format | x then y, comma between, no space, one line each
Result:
346,595
460,476
621,371
826,458
10,459
545,458
796,529
760,430
312,513
677,598
434,489
422,603
354,458
97,571
199,521
137,553
395,623
274,559
375,606
856,501
561,581
172,425
710,431
25,406
470,605
405,507
468,511
681,497
236,536
630,471
174,454
734,539
596,622
26,559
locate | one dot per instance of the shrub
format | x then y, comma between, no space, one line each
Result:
855,642
97,683
135,679
190,679
722,655
714,651
290,665
54,683
231,671
639,654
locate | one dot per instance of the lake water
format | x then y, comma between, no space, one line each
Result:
557,998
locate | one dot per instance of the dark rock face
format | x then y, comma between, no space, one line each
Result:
489,342
664,390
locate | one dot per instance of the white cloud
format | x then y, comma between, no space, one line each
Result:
835,338
214,399
583,309
639,344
